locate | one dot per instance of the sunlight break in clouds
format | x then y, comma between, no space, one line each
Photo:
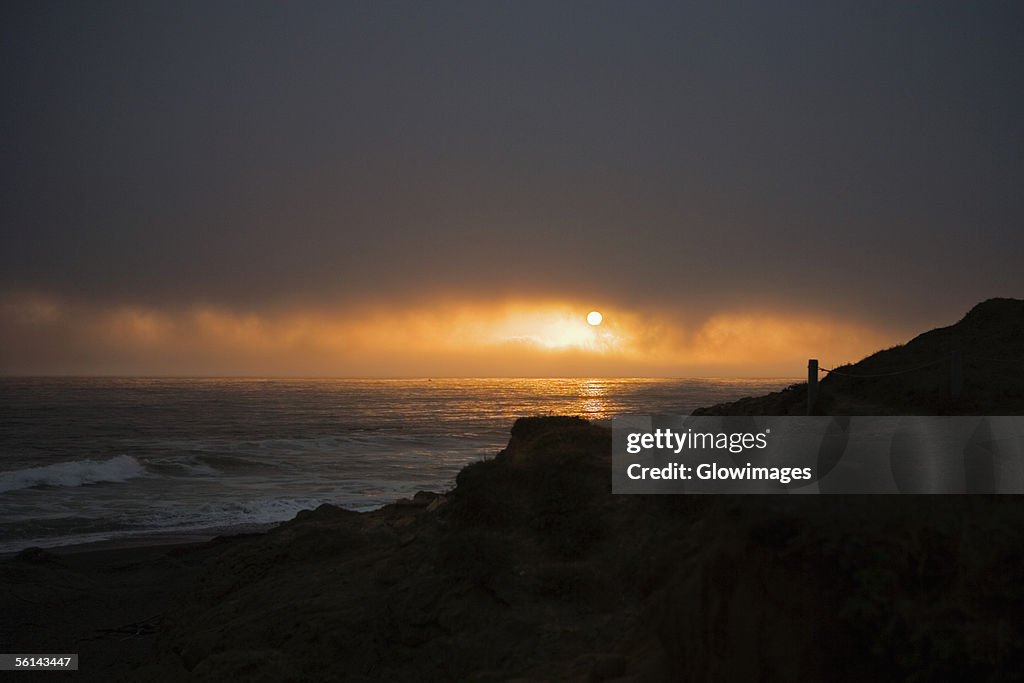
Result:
440,338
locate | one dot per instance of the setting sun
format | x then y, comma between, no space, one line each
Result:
553,328
594,318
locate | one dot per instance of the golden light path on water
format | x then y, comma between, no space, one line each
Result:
593,399
602,399
500,401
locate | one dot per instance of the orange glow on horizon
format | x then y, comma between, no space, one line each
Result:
436,338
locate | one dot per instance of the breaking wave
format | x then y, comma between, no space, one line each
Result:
75,473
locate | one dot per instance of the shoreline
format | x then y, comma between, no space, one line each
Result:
115,545
177,538
146,539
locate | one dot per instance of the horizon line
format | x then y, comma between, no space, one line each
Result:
389,377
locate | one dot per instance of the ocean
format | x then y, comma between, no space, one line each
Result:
100,459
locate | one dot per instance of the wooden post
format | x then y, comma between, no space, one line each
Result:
956,374
812,384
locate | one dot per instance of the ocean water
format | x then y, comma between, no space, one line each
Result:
89,459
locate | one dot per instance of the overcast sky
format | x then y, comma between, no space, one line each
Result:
859,161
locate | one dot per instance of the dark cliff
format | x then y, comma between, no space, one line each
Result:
985,349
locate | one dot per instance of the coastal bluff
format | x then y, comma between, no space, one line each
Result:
986,349
530,570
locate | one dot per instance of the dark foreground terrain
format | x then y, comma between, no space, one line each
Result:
530,569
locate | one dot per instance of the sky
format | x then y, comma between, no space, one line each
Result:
398,189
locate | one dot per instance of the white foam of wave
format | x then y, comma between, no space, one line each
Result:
229,513
75,473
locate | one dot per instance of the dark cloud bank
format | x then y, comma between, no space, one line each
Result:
860,160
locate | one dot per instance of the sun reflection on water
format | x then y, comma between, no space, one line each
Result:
593,399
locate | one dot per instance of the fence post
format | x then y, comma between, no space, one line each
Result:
812,384
956,374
